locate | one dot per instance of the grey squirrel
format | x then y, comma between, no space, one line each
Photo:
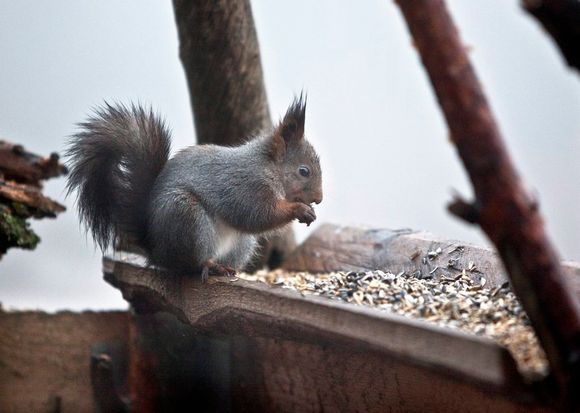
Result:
201,211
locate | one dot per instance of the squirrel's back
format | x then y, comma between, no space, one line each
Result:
219,174
205,207
114,160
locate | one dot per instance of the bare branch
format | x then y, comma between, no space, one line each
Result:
507,213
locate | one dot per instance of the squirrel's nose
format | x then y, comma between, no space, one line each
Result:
318,199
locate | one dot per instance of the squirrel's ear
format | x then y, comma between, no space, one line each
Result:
277,147
292,126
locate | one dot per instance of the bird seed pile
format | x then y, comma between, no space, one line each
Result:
458,303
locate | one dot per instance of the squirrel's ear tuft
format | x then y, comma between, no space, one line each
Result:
290,129
292,126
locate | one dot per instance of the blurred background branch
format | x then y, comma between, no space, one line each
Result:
561,19
503,207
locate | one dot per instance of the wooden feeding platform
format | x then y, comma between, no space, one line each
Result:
291,350
301,348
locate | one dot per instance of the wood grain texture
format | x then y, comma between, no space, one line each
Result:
318,377
173,366
45,358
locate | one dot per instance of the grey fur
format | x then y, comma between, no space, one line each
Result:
207,203
114,160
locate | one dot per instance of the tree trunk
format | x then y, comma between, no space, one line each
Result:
221,57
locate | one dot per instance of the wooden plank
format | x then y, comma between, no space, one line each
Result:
226,308
45,358
333,247
172,366
307,377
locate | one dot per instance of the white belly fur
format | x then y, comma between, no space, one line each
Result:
226,239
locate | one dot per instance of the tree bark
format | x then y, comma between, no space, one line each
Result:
221,57
503,208
21,176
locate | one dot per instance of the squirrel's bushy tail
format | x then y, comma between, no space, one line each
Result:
114,160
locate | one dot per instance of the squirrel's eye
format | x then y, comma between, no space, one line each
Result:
304,171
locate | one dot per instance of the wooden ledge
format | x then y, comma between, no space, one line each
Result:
225,307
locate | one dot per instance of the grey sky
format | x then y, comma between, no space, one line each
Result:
371,114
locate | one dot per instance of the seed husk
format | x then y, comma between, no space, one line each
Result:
462,302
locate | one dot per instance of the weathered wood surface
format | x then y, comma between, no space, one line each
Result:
333,247
36,204
173,368
305,339
19,165
45,358
311,377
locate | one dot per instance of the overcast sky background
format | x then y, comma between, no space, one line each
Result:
371,114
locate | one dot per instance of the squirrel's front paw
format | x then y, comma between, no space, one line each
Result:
304,213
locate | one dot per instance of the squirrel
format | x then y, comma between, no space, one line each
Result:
203,210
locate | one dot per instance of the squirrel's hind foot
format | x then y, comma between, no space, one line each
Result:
212,268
